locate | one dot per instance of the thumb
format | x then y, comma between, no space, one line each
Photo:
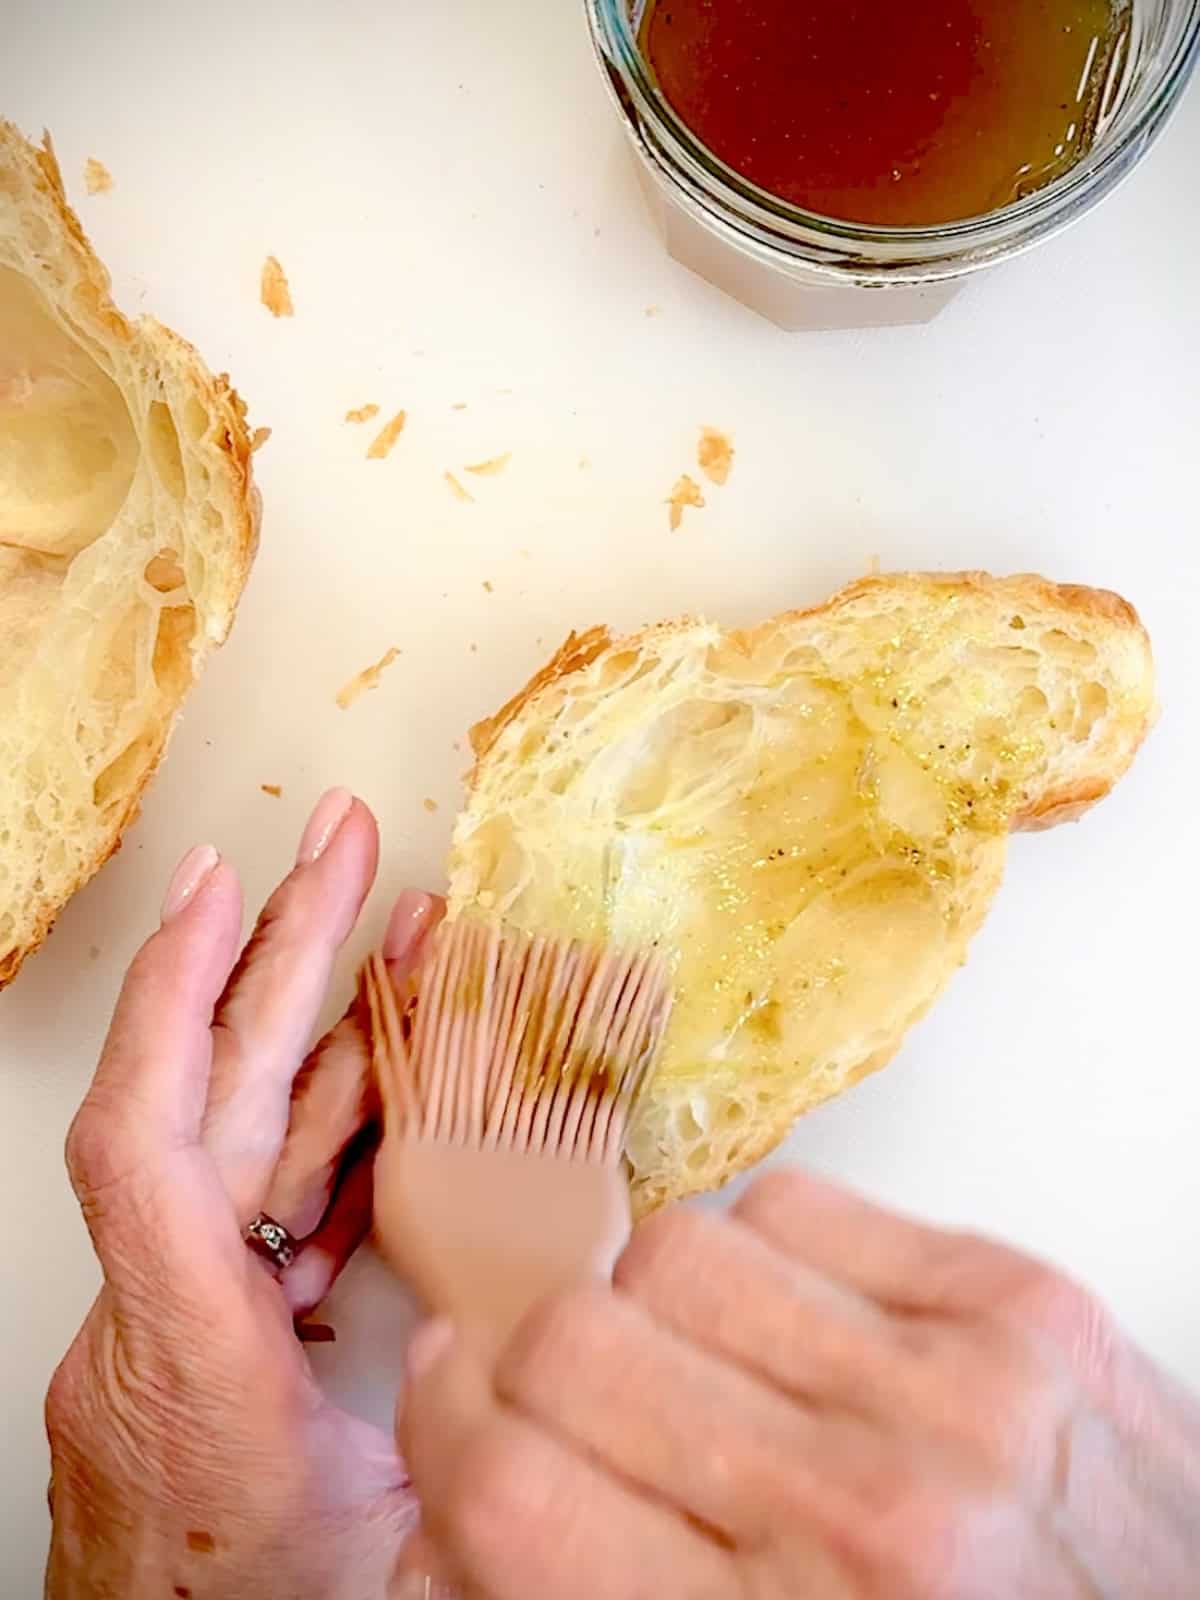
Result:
134,1144
516,1510
445,1404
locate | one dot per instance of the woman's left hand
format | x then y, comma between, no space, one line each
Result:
193,1452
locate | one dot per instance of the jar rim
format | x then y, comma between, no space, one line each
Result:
942,249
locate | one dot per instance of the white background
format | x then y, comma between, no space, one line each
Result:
449,192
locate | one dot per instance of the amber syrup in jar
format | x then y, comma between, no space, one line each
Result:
910,114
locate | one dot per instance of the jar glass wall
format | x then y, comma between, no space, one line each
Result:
805,270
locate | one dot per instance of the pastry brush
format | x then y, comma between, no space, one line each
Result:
508,1073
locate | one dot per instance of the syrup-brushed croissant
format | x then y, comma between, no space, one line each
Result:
808,819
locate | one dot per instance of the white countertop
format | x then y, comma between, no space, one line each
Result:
450,195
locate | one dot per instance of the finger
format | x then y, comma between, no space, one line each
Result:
154,1069
423,1573
333,1097
321,1256
727,1290
143,1114
692,1431
895,1261
517,1512
266,1017
332,1102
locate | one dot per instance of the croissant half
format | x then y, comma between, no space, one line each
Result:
808,818
128,523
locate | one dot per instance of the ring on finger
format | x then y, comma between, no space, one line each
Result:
271,1240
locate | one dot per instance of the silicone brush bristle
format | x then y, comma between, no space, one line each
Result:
516,1041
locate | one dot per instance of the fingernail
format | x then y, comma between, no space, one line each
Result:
331,811
412,1586
420,1573
407,923
420,1586
427,1347
192,873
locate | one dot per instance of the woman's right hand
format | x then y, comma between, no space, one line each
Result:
809,1397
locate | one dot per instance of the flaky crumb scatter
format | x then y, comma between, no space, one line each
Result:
97,179
456,488
685,494
381,445
367,679
491,468
259,438
362,413
715,455
275,790
274,289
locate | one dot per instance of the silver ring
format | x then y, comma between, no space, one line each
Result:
271,1240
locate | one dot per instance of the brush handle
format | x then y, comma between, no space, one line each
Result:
484,1235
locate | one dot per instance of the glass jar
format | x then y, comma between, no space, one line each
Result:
803,270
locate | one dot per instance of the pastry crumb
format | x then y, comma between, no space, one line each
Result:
584,463
275,790
715,455
97,179
489,586
274,290
381,445
456,488
368,678
491,468
93,952
653,311
430,805
685,493
459,405
362,413
259,438
474,648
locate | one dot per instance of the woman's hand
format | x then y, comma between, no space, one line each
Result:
809,1398
193,1453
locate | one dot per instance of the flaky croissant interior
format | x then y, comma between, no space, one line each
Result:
128,522
809,818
